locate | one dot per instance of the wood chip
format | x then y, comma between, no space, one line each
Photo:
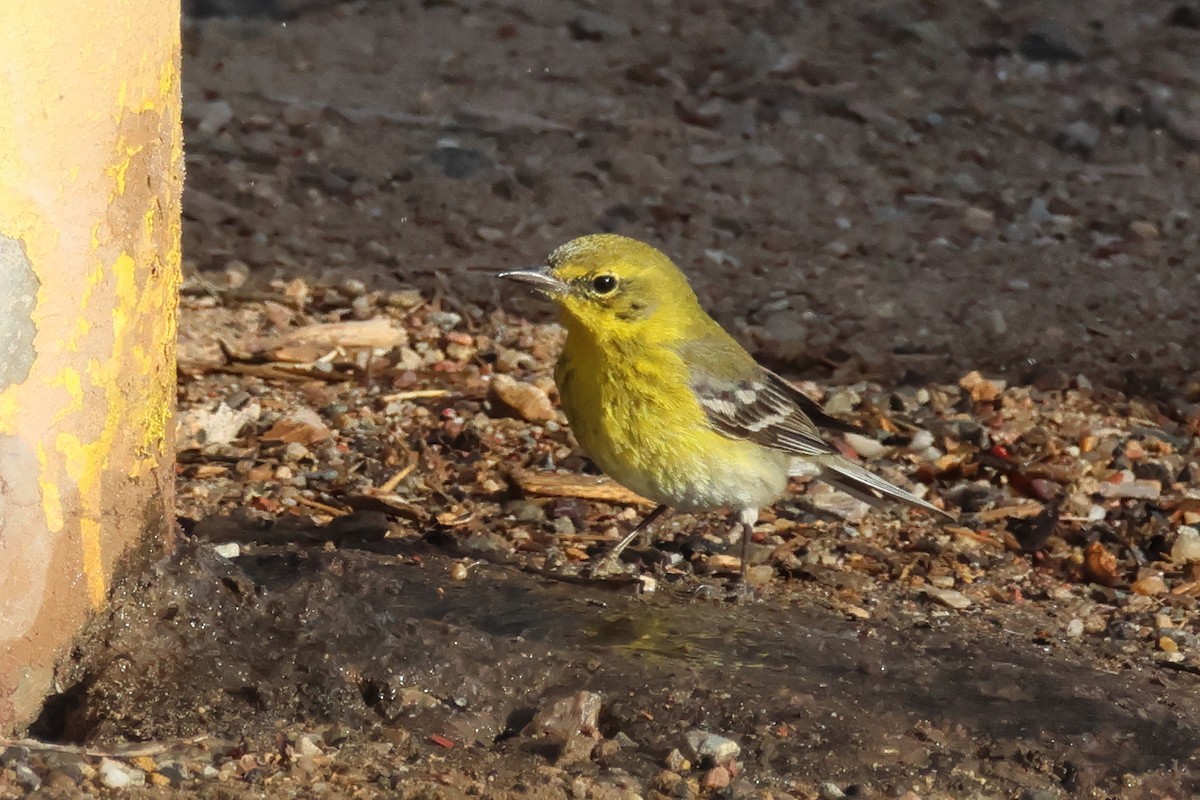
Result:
585,487
1008,512
974,536
379,333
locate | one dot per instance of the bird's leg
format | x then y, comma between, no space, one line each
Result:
608,562
746,518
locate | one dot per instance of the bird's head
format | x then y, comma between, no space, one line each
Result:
609,285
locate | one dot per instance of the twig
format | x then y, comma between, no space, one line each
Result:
134,751
979,538
337,512
415,394
274,371
1008,512
389,486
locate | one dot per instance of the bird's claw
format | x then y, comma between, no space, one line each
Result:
741,592
608,567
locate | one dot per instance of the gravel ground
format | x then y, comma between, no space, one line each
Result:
967,226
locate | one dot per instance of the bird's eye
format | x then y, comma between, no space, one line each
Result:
603,284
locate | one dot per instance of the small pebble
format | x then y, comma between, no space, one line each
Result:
978,220
446,320
306,745
705,745
14,754
228,550
671,784
1038,794
921,440
760,575
980,388
526,511
27,779
571,722
1131,489
830,791
174,772
1186,549
1149,585
865,446
1143,229
526,400
716,778
115,775
295,452
676,762
1079,137
842,402
214,116
949,598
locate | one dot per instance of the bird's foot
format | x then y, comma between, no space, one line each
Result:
608,565
741,592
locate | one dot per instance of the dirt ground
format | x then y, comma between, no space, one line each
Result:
970,226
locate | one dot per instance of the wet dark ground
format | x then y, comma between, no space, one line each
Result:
373,641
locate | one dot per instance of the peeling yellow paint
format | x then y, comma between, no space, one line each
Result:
52,508
85,464
90,173
8,410
93,556
78,331
68,378
143,466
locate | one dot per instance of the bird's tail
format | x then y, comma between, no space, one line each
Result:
862,484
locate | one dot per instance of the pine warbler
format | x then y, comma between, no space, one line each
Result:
668,404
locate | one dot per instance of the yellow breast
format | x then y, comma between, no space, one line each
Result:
633,412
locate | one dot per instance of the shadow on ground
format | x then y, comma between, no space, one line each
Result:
370,640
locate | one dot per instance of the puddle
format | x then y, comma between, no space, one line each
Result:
364,639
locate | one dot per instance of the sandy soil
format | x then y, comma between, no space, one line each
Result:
376,590
890,187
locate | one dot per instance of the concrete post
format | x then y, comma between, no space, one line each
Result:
90,179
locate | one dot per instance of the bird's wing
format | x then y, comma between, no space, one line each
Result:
742,400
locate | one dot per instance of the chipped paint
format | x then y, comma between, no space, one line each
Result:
90,178
17,328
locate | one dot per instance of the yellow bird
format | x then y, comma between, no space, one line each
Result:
668,404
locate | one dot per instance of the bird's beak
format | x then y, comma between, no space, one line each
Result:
539,279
